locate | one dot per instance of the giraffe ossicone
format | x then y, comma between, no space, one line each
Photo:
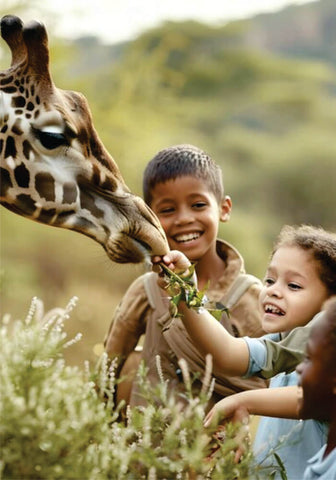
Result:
54,168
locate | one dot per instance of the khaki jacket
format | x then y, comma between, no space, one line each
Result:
136,315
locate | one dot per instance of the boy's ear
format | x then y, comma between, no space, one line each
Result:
225,209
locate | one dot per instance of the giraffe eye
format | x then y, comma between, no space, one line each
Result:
51,140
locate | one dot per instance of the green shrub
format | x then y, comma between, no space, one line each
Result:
60,422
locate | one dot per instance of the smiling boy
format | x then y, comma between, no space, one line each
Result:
184,187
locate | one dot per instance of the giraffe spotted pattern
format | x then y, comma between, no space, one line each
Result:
54,168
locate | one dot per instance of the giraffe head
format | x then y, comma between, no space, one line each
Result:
54,168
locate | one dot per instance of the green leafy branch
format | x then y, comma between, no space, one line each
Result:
181,288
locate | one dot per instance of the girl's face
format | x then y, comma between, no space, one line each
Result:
189,214
293,292
317,374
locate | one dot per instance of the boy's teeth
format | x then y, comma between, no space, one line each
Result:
187,237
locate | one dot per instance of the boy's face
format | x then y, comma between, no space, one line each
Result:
317,374
189,214
293,292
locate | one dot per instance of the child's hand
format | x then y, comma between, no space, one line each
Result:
229,409
174,260
177,276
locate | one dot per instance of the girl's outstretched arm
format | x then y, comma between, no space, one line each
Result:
229,353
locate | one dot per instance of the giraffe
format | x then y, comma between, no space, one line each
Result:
54,168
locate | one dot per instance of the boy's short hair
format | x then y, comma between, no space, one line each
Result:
179,161
320,243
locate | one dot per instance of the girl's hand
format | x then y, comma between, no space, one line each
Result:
174,260
177,277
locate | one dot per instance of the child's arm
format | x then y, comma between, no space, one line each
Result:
229,353
279,402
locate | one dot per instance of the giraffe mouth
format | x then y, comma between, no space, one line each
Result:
143,244
122,248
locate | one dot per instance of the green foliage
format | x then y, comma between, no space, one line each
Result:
58,422
182,288
51,423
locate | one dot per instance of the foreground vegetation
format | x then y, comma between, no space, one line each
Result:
61,422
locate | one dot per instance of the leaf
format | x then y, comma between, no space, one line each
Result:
181,288
282,467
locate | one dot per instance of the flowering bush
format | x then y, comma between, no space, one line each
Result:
60,422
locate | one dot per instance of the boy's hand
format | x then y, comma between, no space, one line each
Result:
229,409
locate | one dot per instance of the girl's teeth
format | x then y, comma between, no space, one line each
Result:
273,309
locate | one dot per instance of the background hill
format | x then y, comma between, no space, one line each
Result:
258,95
306,31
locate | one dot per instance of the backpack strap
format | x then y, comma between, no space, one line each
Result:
155,298
242,283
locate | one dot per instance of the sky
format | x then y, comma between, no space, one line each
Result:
119,20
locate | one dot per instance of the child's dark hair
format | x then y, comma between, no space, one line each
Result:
330,311
320,243
178,161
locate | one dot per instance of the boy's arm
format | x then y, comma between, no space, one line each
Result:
279,402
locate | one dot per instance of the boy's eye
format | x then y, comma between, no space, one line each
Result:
199,205
269,281
294,286
164,210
